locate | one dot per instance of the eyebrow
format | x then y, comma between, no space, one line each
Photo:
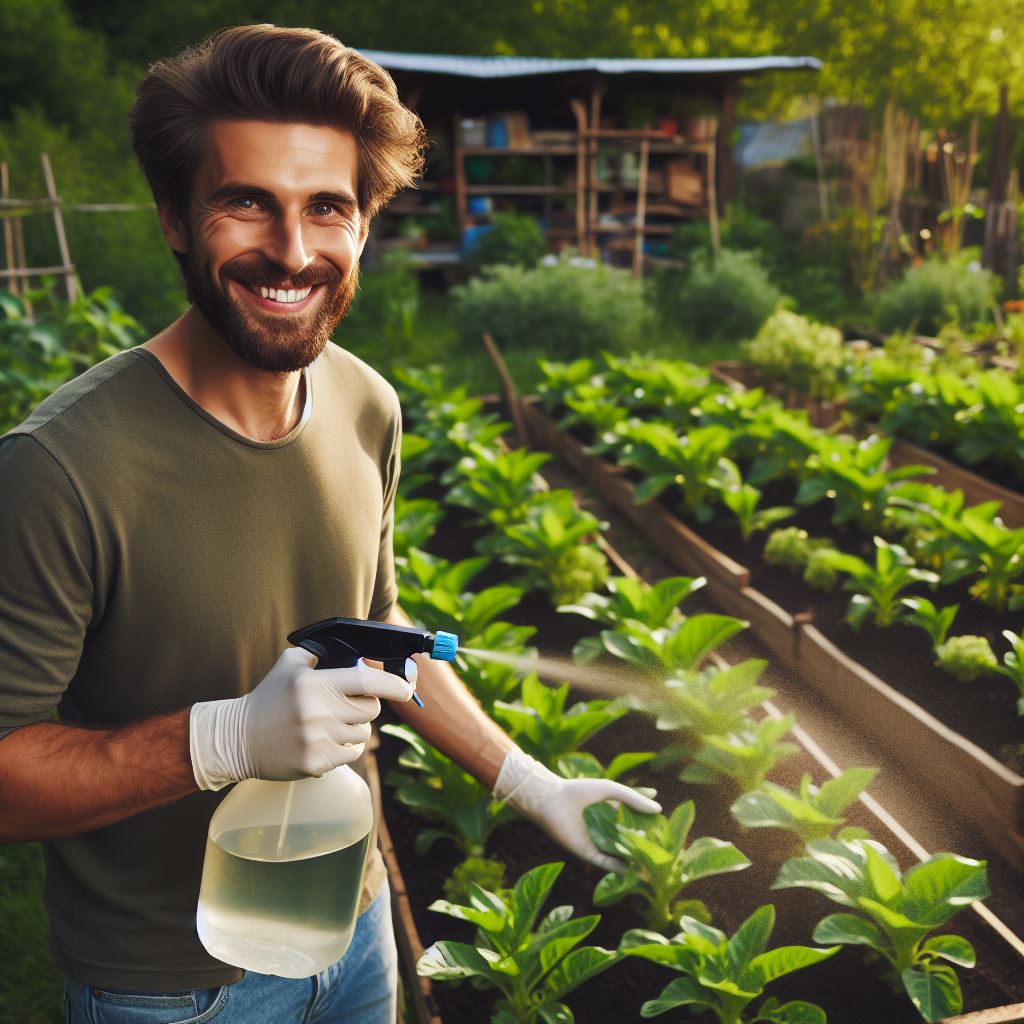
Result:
234,189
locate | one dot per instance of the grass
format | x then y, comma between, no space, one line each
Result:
31,988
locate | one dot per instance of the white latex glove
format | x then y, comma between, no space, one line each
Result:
556,804
296,723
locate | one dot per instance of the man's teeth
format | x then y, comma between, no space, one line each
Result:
283,295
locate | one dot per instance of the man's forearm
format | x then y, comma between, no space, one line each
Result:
59,780
452,719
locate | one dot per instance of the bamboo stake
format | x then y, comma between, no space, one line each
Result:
511,395
641,209
70,283
5,185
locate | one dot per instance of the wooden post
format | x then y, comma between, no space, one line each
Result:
511,395
580,113
70,284
712,198
641,208
5,189
726,124
596,94
461,211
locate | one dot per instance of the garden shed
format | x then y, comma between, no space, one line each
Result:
609,154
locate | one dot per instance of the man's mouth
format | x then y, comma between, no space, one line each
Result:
281,300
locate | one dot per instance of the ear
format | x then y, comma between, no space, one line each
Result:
175,230
364,233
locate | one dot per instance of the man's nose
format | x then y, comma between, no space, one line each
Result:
287,248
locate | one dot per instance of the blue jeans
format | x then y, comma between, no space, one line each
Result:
361,988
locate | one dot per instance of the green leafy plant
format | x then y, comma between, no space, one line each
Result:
723,975
877,587
801,355
694,462
660,863
560,380
415,522
583,765
436,788
809,812
486,872
540,723
745,755
791,548
966,658
727,297
570,308
921,300
514,239
743,500
1013,664
498,484
552,541
533,966
854,475
936,622
893,913
820,571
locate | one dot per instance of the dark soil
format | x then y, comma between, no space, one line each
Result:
849,989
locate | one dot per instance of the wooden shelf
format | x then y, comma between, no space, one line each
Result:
621,229
519,190
518,150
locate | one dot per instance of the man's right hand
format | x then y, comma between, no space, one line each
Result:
297,723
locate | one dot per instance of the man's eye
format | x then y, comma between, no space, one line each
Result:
246,203
324,209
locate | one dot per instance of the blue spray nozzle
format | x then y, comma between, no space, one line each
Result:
446,645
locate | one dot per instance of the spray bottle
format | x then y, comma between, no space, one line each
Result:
284,860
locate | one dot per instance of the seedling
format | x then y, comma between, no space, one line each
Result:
809,812
534,967
936,622
895,912
660,864
743,500
724,975
1013,665
966,658
745,756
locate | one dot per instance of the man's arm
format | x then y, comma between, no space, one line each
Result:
58,780
452,720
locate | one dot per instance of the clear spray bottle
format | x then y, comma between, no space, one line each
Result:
285,860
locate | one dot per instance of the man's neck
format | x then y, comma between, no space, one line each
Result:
259,405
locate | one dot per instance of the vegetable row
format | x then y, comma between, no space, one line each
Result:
713,732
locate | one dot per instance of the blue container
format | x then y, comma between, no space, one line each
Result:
478,205
497,133
471,236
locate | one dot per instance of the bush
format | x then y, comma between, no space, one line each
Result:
565,307
725,299
934,293
514,239
796,352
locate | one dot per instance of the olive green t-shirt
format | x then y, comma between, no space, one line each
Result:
151,558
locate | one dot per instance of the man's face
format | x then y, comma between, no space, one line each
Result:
274,238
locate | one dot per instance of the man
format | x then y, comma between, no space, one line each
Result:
173,513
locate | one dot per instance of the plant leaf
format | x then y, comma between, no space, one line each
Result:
934,990
953,948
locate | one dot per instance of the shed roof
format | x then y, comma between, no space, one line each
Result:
515,67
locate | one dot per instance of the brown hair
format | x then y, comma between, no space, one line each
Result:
266,73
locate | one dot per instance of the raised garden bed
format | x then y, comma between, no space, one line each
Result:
987,793
950,475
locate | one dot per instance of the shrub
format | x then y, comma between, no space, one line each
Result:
799,353
934,293
966,658
568,307
725,299
514,240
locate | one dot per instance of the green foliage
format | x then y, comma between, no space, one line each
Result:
514,240
728,298
1013,664
63,339
791,548
386,305
660,864
534,966
934,293
820,571
541,725
877,587
695,462
565,310
436,788
936,622
893,913
743,499
415,522
745,756
966,658
809,812
482,871
632,600
724,975
799,354
498,484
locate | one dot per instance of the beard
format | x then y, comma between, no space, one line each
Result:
274,343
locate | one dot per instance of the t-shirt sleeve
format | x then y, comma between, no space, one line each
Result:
46,586
385,587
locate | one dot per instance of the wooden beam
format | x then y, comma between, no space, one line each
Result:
5,187
726,125
641,210
70,284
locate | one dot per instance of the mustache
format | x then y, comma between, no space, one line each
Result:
269,275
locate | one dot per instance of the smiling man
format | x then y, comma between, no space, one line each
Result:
172,514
